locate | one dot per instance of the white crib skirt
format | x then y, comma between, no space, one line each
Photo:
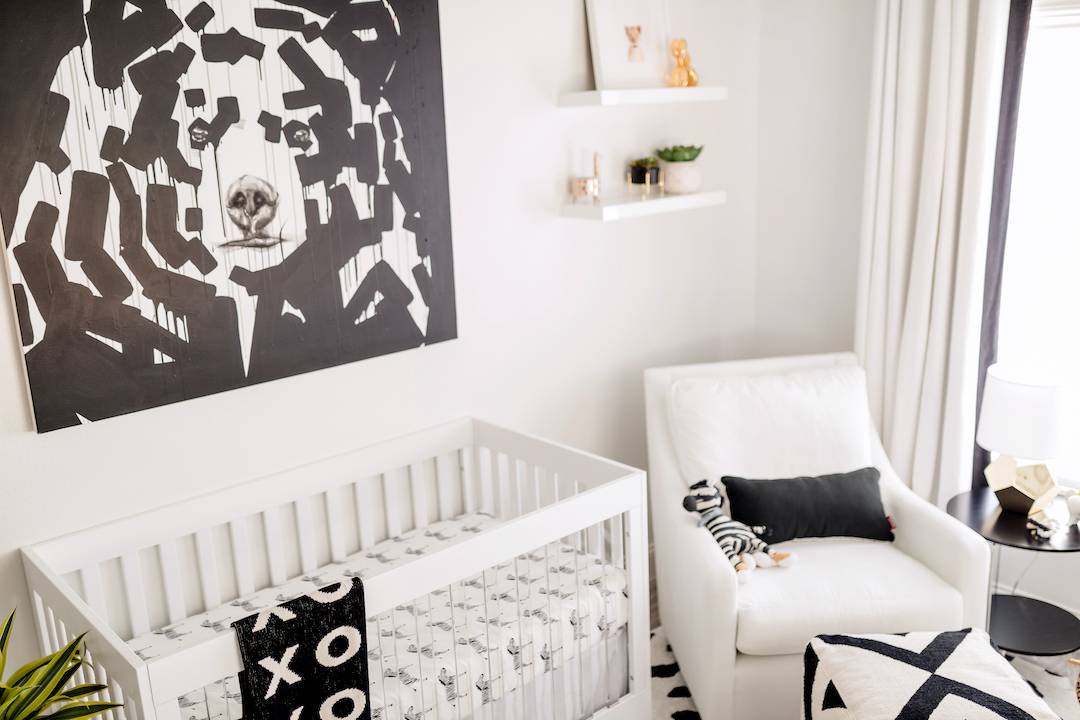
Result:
585,684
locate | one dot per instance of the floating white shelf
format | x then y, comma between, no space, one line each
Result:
646,96
637,206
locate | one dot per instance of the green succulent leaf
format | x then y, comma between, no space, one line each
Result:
680,153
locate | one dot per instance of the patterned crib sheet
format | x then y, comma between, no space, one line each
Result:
454,650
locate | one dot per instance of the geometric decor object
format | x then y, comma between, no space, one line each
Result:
1026,490
196,199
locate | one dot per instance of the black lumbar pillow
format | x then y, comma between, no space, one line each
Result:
840,505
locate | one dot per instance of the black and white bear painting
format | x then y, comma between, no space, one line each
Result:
200,195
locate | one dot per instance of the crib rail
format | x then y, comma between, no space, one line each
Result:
143,573
175,675
60,615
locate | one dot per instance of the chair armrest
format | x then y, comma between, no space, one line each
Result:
697,591
944,544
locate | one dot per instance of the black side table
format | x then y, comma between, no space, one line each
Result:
1019,624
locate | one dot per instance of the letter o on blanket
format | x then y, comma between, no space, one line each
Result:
325,655
358,699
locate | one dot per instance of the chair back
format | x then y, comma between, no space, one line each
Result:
769,453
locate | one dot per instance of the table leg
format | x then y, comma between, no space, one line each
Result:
992,583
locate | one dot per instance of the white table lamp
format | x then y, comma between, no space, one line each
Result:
1019,420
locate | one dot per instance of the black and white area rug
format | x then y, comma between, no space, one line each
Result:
670,696
1051,678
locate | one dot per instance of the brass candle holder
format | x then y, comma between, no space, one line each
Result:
587,187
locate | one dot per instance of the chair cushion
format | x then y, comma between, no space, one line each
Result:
841,586
808,422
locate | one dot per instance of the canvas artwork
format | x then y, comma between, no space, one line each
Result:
203,195
628,39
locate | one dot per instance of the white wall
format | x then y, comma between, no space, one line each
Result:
557,317
814,99
561,316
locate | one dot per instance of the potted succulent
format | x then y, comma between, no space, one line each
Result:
646,167
681,173
45,689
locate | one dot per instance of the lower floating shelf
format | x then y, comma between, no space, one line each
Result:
607,209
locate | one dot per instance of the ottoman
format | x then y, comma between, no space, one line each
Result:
954,675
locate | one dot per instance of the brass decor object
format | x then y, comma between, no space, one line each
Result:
1074,661
682,75
587,187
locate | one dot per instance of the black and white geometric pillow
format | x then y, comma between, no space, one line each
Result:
916,676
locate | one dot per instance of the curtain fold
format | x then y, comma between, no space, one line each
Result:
935,100
1011,82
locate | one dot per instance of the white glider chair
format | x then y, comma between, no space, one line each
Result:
740,646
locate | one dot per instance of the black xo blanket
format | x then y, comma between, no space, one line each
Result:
306,659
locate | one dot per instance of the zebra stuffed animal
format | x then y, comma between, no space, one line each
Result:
739,541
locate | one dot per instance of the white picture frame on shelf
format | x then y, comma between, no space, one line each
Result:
628,41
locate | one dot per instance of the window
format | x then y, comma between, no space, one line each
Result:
1039,330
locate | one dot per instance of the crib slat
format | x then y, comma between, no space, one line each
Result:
173,581
93,592
392,505
50,626
444,483
241,556
134,593
335,526
468,479
42,628
364,514
306,533
521,475
418,485
208,571
503,486
275,550
118,693
487,483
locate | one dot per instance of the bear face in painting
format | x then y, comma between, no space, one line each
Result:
251,203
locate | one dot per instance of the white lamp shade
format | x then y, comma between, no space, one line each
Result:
1018,418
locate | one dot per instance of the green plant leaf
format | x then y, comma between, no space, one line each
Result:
79,711
80,691
48,680
16,695
20,676
5,636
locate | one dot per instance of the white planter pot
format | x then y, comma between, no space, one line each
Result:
681,178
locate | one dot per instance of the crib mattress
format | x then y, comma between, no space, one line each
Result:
453,651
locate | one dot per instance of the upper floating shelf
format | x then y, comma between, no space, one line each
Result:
645,96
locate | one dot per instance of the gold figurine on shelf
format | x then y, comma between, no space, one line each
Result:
682,75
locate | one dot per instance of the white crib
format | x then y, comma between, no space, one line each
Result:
486,542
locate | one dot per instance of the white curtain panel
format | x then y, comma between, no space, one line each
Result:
933,124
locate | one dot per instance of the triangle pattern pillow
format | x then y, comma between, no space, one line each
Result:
954,675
